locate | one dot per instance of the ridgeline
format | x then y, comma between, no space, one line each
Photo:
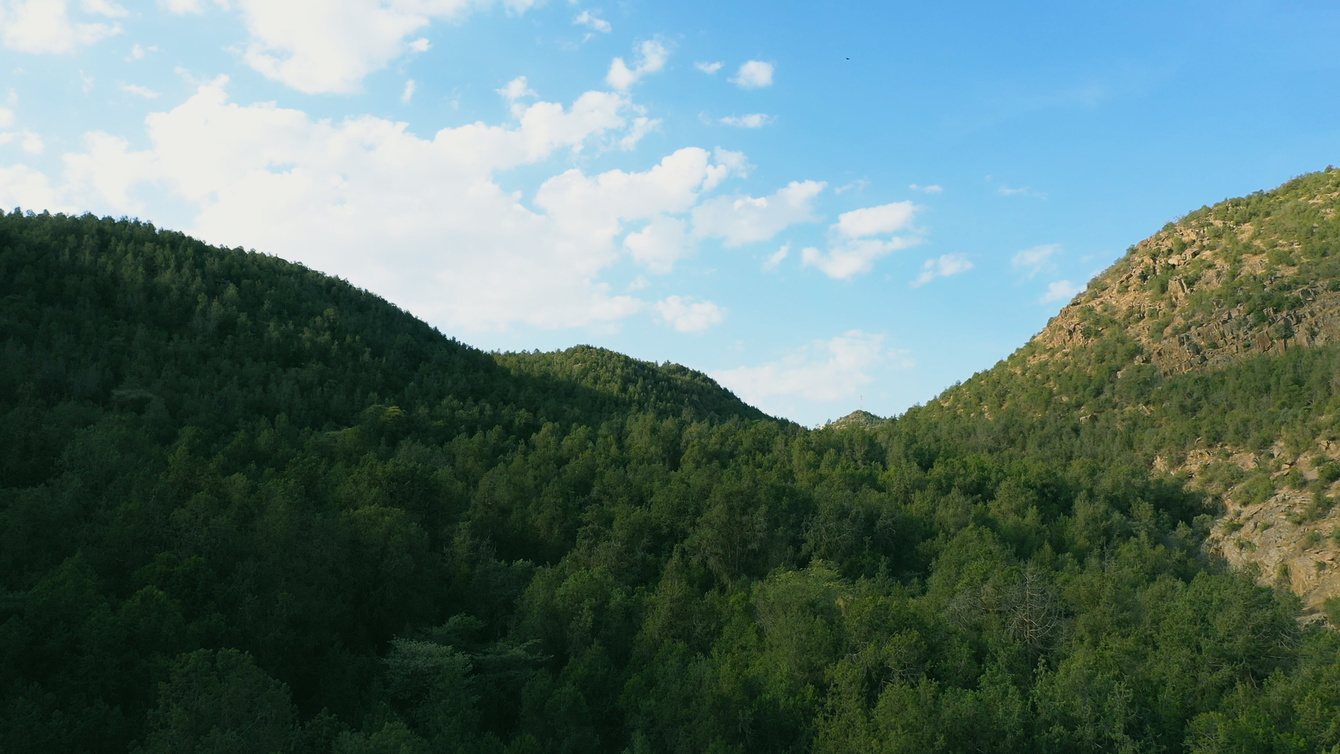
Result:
247,507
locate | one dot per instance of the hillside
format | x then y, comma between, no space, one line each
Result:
247,507
1210,351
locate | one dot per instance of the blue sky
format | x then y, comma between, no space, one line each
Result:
823,205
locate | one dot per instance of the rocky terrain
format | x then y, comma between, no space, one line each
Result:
1251,285
1219,287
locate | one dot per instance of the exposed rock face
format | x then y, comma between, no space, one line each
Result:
1288,539
1180,295
1250,276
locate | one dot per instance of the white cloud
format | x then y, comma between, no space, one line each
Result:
754,74
934,188
106,172
329,46
516,89
21,186
592,22
1036,258
853,247
407,93
181,7
651,57
6,117
739,220
942,267
660,244
852,257
857,185
44,26
139,52
419,220
876,221
732,163
687,315
1061,290
709,68
32,143
640,128
602,201
103,8
752,120
825,370
140,91
776,258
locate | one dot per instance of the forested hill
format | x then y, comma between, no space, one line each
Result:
246,507
1210,351
121,313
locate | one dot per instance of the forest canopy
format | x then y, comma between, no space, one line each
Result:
247,507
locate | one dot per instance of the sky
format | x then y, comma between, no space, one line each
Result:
824,206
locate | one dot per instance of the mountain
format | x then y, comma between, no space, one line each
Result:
1209,351
248,507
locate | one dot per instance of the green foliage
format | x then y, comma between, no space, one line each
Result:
247,507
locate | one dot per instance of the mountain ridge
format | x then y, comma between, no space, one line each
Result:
249,507
1248,286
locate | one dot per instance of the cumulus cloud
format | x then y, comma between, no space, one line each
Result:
640,128
329,46
875,221
31,143
422,221
854,244
45,27
852,257
942,267
934,188
1061,290
754,74
709,68
1035,259
739,220
407,93
752,120
593,22
28,141
21,186
651,57
661,243
776,258
825,370
139,52
687,315
6,117
516,89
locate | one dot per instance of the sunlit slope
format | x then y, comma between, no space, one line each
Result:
1209,350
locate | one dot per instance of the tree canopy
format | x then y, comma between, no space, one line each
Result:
244,506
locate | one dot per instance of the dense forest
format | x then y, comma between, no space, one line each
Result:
247,507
